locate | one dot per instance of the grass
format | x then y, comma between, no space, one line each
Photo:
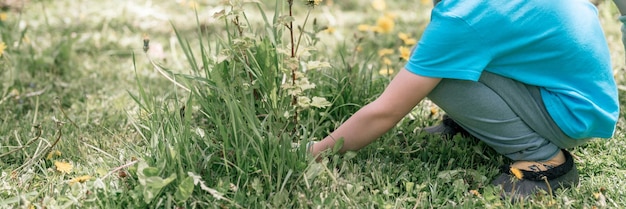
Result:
204,120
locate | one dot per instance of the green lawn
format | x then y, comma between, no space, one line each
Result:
193,104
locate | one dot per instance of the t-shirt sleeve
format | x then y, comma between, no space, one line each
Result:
449,48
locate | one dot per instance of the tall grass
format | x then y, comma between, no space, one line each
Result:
230,127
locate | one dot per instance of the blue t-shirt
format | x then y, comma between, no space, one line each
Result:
557,45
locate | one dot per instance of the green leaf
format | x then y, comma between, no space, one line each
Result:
185,188
449,175
338,145
154,185
150,171
150,183
284,19
320,102
408,186
141,176
349,155
312,65
313,171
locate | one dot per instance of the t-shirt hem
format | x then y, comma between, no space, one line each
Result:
461,74
561,120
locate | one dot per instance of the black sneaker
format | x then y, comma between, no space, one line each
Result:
447,128
519,184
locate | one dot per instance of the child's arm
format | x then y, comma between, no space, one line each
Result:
404,92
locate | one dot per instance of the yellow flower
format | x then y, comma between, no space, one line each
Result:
405,52
518,174
63,167
330,30
434,110
475,192
425,2
2,47
598,195
359,48
387,61
385,71
403,36
80,179
52,154
379,5
384,52
3,16
406,39
384,24
410,42
364,27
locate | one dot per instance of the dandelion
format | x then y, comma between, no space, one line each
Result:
384,24
475,192
53,154
403,36
405,52
386,72
406,39
517,173
330,30
80,179
598,195
2,47
379,5
63,167
3,16
410,42
387,61
364,27
434,110
385,52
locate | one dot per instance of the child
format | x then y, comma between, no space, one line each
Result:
530,78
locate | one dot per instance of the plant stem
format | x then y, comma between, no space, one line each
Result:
294,99
255,92
306,19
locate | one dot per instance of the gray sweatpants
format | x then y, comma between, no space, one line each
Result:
507,115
